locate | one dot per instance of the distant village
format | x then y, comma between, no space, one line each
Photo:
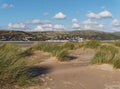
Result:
75,36
58,38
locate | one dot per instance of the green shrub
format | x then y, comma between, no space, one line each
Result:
93,44
12,65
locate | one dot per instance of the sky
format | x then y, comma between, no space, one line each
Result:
60,15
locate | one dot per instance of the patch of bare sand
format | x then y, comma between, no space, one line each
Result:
106,67
37,57
83,55
78,74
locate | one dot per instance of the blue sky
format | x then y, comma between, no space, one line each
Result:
60,15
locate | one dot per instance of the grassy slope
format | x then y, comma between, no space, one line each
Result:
87,34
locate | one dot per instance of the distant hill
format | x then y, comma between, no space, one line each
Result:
86,34
117,34
11,35
93,34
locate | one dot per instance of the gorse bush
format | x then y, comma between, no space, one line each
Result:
107,54
92,44
12,66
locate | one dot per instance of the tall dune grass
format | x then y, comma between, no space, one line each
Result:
92,44
116,62
12,66
117,43
107,54
68,45
58,50
79,45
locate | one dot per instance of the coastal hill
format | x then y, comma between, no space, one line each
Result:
117,33
12,35
85,34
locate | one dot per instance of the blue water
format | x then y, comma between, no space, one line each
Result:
27,42
18,42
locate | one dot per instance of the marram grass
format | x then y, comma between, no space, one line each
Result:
107,54
58,50
13,69
92,44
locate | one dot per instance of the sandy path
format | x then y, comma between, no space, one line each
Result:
79,74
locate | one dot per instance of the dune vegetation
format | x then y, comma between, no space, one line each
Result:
117,43
14,68
60,51
109,54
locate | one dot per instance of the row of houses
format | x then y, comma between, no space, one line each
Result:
16,38
54,38
67,40
64,38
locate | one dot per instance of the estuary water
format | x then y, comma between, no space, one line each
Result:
18,42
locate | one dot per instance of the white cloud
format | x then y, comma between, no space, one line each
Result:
89,24
41,25
93,15
47,27
116,23
59,27
17,26
74,20
101,25
75,26
50,27
87,27
37,21
103,14
60,15
6,5
38,28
